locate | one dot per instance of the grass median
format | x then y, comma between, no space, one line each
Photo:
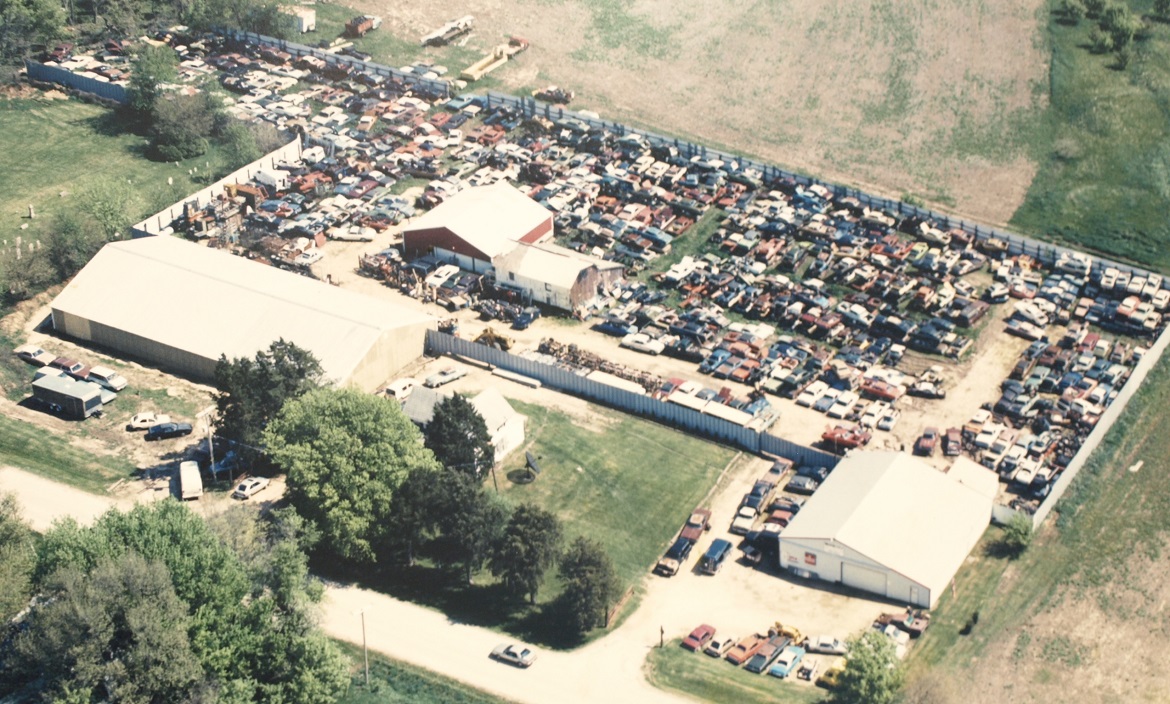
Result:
394,682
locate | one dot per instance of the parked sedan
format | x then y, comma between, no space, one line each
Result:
718,647
446,376
163,431
786,664
926,444
802,485
34,355
146,420
250,487
699,638
514,654
641,342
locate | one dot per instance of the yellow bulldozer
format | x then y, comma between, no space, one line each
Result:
491,338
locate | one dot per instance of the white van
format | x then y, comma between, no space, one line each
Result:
108,378
190,481
401,389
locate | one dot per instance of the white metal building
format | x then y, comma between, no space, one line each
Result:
890,524
505,425
556,276
180,305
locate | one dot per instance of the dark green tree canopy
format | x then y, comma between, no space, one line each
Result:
346,453
470,519
591,586
252,391
17,558
459,437
152,67
530,545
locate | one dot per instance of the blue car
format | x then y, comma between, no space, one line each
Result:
713,361
788,661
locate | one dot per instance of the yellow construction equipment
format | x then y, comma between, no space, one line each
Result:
491,338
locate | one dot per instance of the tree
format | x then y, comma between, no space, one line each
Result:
413,515
1094,8
248,623
529,547
1017,535
459,437
346,453
72,242
1162,9
872,674
591,585
1073,10
470,519
1121,25
153,66
1100,42
27,22
115,633
182,125
17,559
252,391
112,204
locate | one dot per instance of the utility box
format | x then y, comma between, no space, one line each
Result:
73,399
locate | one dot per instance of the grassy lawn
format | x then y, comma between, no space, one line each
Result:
1108,512
1104,156
624,481
708,679
394,682
66,145
25,446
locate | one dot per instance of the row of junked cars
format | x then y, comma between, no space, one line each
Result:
781,653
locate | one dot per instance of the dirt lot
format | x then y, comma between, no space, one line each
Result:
897,97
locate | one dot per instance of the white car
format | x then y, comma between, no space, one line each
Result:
250,487
400,389
743,521
810,395
34,355
512,654
889,419
641,342
110,379
843,405
444,376
826,644
874,413
308,258
144,420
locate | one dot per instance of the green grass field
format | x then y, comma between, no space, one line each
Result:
25,446
1108,512
696,675
1103,148
394,682
66,145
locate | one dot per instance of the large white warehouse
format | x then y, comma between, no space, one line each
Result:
180,305
890,524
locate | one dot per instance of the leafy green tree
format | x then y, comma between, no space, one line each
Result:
1017,535
1121,25
27,22
17,558
459,437
591,585
530,545
1100,42
248,623
470,519
1073,10
346,453
183,125
113,204
116,633
872,674
152,67
72,242
413,514
1162,9
1095,8
252,391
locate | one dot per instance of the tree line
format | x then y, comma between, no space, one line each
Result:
1117,27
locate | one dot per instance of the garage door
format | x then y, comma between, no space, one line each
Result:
863,578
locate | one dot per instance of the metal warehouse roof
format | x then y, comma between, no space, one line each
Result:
208,302
490,218
901,513
550,263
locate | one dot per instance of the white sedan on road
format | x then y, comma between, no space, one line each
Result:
641,342
250,487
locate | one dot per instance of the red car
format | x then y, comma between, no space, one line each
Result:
927,443
743,651
699,638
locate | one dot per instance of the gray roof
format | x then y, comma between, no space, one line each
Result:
209,302
899,512
420,404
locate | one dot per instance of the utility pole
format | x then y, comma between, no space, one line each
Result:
365,652
205,417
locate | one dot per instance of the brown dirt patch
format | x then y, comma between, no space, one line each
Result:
892,97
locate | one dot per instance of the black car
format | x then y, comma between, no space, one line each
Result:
802,485
163,431
813,472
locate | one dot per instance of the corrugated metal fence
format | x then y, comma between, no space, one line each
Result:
54,74
639,404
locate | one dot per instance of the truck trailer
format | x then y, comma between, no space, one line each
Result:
73,399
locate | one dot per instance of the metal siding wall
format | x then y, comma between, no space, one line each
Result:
54,74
